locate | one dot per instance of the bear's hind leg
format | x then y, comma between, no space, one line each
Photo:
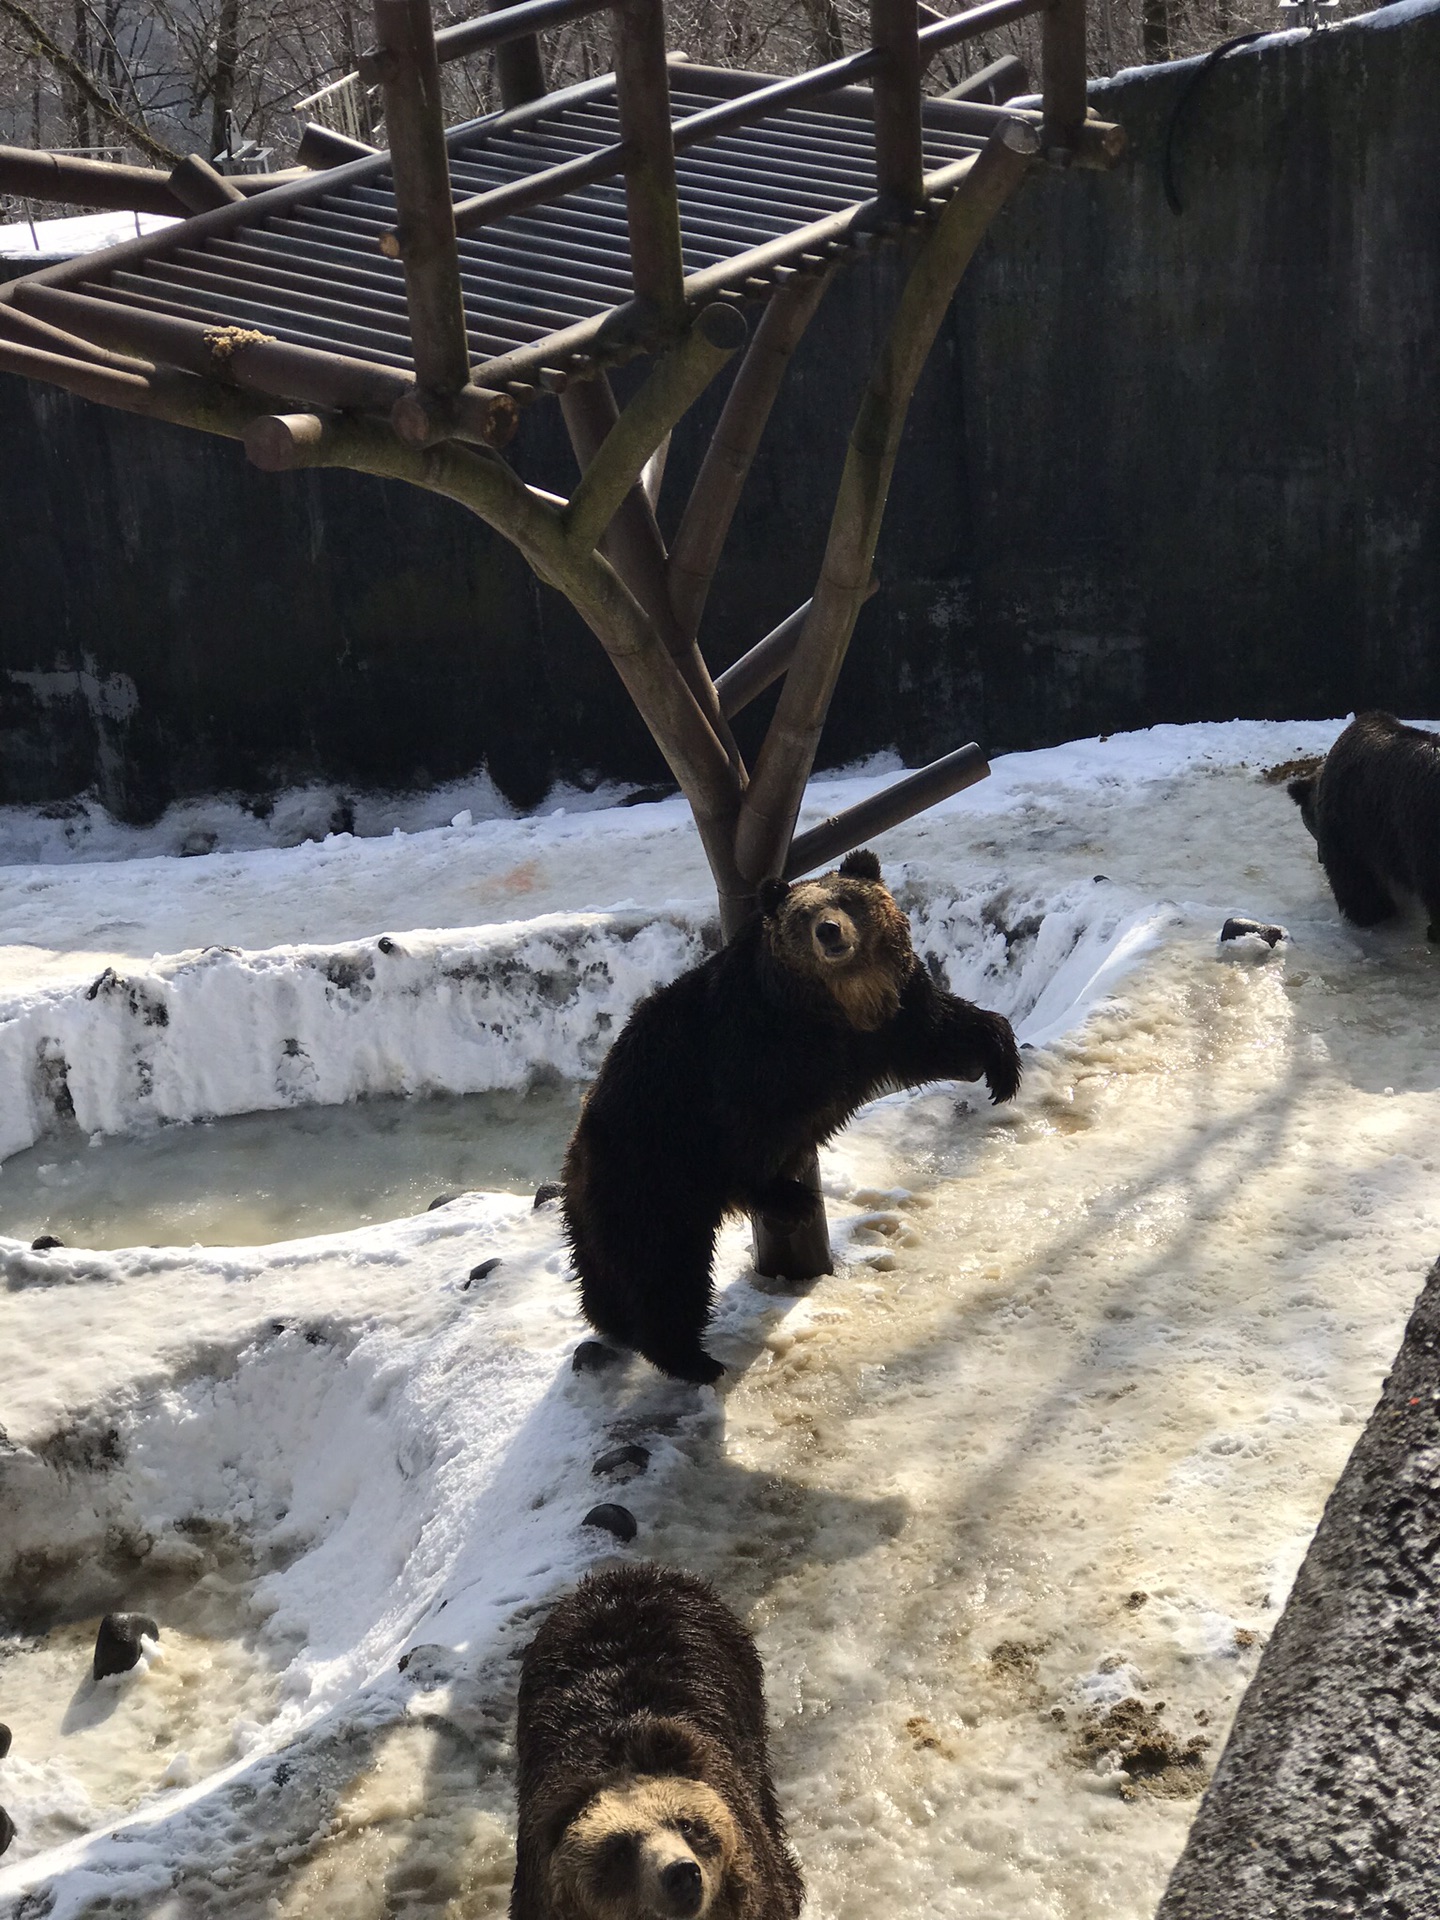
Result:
670,1288
1360,895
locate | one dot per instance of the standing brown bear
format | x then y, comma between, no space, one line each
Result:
1374,809
644,1779
721,1082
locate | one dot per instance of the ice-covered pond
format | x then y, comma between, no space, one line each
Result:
257,1177
1011,1500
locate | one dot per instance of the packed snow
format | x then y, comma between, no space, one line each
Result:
1033,1468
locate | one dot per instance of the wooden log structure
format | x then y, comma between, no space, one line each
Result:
391,314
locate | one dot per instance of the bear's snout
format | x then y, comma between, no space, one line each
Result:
672,1882
834,936
683,1886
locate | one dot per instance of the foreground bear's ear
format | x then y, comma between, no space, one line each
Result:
772,892
1301,790
862,864
654,1745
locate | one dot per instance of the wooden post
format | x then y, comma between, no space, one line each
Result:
652,202
926,787
899,155
1062,66
518,67
420,165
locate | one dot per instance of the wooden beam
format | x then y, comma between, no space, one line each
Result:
925,788
321,147
519,64
772,800
993,85
250,359
1062,72
70,181
700,539
899,159
635,549
763,665
27,331
420,166
678,380
198,187
506,24
652,201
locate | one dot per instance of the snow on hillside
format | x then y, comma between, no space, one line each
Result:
1052,1438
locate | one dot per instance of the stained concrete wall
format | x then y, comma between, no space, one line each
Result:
1161,467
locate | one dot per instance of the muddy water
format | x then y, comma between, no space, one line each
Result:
262,1177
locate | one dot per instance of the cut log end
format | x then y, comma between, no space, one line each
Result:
279,442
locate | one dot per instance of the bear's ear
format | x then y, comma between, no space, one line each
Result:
772,892
862,864
650,1744
1301,790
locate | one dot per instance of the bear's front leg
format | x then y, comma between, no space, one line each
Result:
937,1036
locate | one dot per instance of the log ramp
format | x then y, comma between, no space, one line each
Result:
396,313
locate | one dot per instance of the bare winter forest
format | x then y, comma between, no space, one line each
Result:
151,80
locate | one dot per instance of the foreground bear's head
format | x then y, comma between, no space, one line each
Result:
658,1841
843,932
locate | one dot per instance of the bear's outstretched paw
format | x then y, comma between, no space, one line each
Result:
1002,1068
694,1365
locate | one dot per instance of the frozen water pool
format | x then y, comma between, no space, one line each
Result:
258,1177
1011,1500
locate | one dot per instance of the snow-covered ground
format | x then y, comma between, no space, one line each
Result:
1053,1437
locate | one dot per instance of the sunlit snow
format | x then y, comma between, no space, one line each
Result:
1050,1442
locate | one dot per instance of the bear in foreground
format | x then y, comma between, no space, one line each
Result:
721,1082
644,1781
1374,809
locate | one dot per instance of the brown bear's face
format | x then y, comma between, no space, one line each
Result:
654,1847
844,931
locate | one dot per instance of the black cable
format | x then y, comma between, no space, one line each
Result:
1167,161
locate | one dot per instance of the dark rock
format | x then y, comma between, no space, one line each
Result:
117,1644
622,1462
7,1830
198,841
1238,926
482,1272
386,944
441,1200
45,1242
593,1356
5,1738
612,1519
549,1190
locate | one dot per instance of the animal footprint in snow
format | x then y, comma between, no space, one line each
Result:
887,1226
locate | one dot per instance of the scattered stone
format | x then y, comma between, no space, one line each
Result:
1238,926
441,1200
1101,880
482,1272
45,1242
1152,1757
386,944
546,1192
593,1356
622,1463
925,1737
199,840
117,1644
5,1739
1137,1598
612,1519
7,1830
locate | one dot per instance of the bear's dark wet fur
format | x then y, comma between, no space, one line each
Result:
642,1757
724,1080
1374,809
